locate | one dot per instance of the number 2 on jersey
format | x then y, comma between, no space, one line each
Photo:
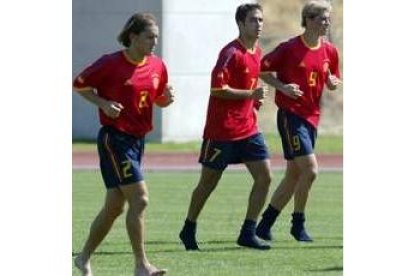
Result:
142,100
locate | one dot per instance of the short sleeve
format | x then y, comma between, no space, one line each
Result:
92,76
163,79
222,71
334,64
273,61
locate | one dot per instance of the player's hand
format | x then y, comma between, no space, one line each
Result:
333,81
292,90
258,104
112,109
169,93
260,93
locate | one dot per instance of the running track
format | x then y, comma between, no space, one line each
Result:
189,161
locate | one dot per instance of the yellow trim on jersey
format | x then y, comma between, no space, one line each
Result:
226,87
216,89
307,45
285,126
134,62
112,156
83,89
251,51
206,150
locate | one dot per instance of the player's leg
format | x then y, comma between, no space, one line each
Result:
286,188
213,157
280,198
136,195
261,173
122,154
113,207
208,181
302,141
114,201
308,167
254,154
289,127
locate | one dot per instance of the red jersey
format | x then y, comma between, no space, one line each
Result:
296,62
230,119
117,78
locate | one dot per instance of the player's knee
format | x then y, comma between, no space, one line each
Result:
264,179
267,178
118,211
312,173
142,202
309,174
138,204
205,187
114,211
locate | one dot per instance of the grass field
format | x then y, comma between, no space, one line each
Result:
329,144
219,226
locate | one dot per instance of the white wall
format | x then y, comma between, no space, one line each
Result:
192,34
95,27
195,32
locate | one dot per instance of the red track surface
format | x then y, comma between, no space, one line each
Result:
189,161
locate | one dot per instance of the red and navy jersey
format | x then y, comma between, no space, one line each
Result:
230,119
295,62
117,78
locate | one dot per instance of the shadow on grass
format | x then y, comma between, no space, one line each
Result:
308,247
334,268
231,246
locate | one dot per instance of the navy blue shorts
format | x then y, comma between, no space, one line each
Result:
120,157
298,136
218,154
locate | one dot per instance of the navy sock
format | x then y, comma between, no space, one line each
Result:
187,235
248,236
249,227
270,215
298,218
190,225
298,227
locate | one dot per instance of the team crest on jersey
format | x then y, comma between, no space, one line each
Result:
266,63
247,71
155,81
220,75
302,64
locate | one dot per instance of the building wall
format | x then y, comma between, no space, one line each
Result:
192,34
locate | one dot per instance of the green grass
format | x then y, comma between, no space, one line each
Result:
219,225
325,144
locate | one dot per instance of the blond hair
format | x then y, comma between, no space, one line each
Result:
314,8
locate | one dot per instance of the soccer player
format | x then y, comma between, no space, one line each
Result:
231,134
303,65
125,85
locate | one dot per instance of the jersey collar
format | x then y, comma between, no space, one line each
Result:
134,62
308,46
250,51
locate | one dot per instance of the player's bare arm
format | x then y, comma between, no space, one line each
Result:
110,108
291,89
332,81
167,97
236,94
